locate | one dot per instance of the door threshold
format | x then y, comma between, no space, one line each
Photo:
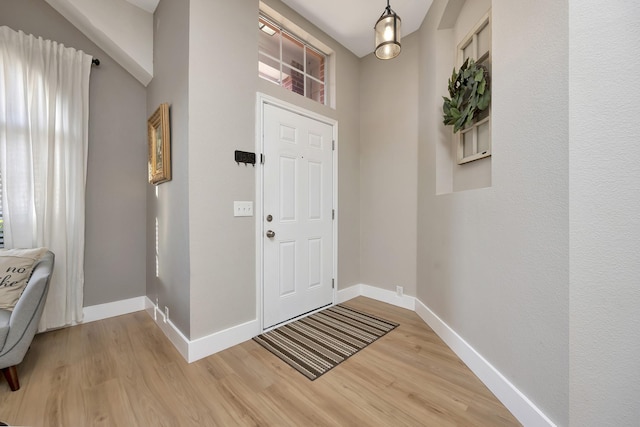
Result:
293,319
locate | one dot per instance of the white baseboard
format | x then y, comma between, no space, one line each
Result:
177,338
513,399
112,309
204,346
378,294
348,293
389,297
211,344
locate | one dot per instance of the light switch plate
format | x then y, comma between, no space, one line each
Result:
242,208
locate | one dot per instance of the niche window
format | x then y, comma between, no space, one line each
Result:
474,141
284,59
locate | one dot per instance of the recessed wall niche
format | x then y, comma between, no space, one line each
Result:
458,20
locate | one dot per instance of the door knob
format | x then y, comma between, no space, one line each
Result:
271,233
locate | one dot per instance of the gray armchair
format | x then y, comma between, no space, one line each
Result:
17,328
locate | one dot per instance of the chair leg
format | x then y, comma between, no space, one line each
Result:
11,375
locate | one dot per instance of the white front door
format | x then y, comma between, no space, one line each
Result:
297,221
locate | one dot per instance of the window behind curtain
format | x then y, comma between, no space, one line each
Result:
1,221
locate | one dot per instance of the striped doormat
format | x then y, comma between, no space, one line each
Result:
315,344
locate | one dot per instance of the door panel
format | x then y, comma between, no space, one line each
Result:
298,194
287,268
288,177
315,191
315,262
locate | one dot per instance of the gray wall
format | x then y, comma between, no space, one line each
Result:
493,262
389,168
168,203
222,96
116,173
221,119
604,204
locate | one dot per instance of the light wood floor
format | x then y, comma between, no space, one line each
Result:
124,372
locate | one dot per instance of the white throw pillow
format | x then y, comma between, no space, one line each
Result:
16,266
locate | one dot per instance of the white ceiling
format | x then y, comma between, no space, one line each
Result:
148,5
351,22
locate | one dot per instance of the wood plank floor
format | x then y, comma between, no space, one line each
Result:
124,372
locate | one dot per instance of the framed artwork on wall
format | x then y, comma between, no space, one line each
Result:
159,145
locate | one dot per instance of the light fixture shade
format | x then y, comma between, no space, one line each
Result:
388,33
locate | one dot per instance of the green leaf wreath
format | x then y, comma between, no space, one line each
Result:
469,93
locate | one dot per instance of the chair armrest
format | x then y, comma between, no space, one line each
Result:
27,312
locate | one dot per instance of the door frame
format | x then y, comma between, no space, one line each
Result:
262,100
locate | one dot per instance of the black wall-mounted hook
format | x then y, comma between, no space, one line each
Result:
245,157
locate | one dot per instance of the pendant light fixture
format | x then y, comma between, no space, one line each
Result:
387,31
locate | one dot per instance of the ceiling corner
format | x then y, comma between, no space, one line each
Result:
148,5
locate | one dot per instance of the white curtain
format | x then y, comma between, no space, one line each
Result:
44,116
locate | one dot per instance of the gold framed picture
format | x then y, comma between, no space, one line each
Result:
159,145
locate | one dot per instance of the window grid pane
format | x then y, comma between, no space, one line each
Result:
467,144
484,40
467,52
315,91
315,64
306,67
269,69
484,137
292,80
269,39
292,52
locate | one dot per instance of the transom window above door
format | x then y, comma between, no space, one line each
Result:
288,61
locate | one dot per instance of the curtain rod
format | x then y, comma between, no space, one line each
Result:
95,61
